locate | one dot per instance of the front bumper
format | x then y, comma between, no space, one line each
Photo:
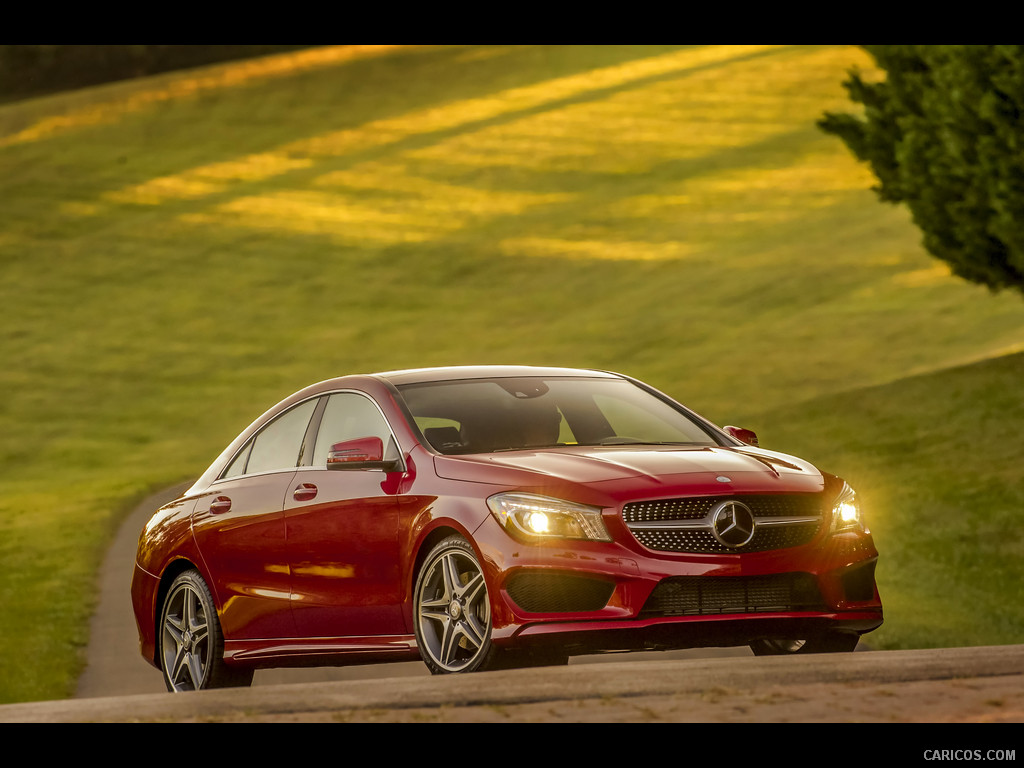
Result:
144,589
593,596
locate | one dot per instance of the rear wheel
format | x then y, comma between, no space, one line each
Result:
453,611
834,642
191,642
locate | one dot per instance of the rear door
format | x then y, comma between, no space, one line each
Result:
239,526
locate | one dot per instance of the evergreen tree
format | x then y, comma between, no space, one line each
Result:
944,134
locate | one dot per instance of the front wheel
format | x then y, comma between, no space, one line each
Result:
835,642
453,611
191,642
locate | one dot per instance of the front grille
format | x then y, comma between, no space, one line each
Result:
545,592
703,595
687,525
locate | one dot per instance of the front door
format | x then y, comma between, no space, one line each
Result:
342,529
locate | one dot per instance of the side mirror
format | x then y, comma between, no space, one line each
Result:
360,453
743,435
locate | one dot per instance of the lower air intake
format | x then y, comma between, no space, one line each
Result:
703,595
541,592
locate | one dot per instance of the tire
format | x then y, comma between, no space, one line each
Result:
191,641
834,642
453,611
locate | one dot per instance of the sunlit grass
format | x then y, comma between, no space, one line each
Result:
123,99
938,471
222,237
615,250
208,180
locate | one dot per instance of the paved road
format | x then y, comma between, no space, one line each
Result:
731,685
980,685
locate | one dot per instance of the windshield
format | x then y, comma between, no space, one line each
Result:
487,415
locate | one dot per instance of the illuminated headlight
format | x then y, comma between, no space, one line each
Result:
542,516
846,512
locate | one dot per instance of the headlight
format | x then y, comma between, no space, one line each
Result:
540,516
846,512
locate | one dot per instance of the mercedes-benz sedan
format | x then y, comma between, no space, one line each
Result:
488,517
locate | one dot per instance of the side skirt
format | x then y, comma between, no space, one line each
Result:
321,651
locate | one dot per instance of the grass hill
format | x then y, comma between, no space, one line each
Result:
180,252
936,462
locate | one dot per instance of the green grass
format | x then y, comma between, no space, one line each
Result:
180,252
936,461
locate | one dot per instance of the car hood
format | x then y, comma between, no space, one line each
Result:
640,470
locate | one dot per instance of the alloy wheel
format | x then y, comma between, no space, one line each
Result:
453,612
186,639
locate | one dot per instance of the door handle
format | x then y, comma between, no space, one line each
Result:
305,492
220,505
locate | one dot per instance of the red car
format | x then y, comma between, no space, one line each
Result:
487,517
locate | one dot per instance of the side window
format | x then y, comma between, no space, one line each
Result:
278,445
238,465
348,416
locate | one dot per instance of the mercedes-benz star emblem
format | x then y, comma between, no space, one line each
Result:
732,522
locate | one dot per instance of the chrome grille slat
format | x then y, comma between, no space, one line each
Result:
685,524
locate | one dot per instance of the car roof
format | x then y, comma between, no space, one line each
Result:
459,372
394,378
